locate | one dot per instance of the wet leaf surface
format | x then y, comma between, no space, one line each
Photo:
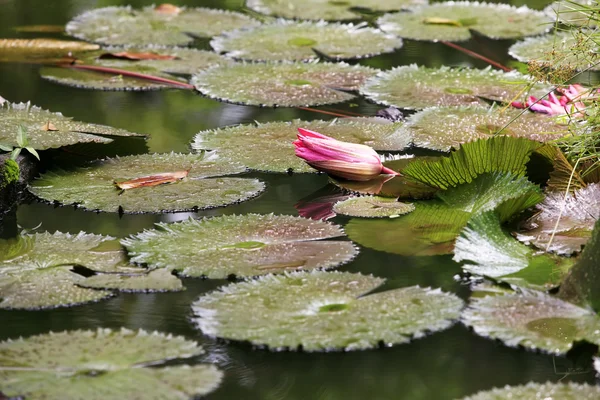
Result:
373,207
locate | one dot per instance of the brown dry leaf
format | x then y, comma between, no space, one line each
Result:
125,55
46,45
441,21
41,28
167,8
564,176
49,126
152,180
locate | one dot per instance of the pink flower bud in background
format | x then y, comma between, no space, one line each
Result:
567,104
351,161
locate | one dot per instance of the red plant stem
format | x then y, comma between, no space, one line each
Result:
477,55
346,112
116,71
323,112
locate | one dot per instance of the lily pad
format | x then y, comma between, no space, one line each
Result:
248,144
434,224
240,245
327,9
534,320
153,281
46,130
86,79
303,41
94,188
578,213
452,21
32,50
287,84
323,311
493,253
556,51
574,12
414,87
37,271
103,364
128,26
536,391
373,207
445,128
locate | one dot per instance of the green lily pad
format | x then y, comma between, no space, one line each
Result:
86,79
37,271
496,154
298,41
536,391
248,144
63,130
453,20
434,224
534,320
240,245
493,253
578,213
286,85
128,26
323,311
414,87
103,364
372,207
556,51
574,12
94,187
335,10
445,128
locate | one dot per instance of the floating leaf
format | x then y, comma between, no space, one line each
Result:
414,87
103,364
243,246
434,225
95,80
581,285
536,391
31,50
534,320
573,12
47,130
323,311
41,28
302,41
578,213
496,154
93,187
493,253
372,207
128,26
444,128
154,281
248,144
453,21
152,180
36,271
287,85
556,51
327,10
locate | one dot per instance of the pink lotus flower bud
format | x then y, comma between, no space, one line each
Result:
350,161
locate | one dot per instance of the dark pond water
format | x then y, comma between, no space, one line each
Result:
446,365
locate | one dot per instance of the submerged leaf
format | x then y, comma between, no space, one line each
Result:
242,246
534,320
46,130
414,87
283,84
536,391
103,364
493,253
248,144
578,213
323,311
128,26
445,128
93,187
302,41
335,10
453,21
372,207
39,50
